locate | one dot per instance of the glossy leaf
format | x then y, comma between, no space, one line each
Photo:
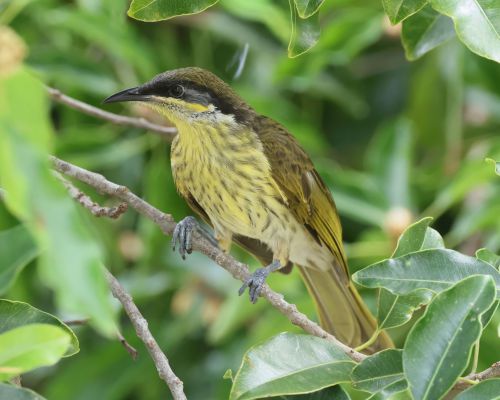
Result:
290,364
12,392
485,390
14,314
304,33
437,348
331,393
396,310
398,10
158,10
477,23
379,371
433,269
424,31
31,346
306,8
17,249
489,257
413,238
71,261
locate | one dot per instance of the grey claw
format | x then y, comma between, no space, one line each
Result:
183,234
255,284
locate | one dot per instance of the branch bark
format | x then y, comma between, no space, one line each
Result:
141,328
166,131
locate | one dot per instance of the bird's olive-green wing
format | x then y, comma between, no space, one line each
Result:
307,195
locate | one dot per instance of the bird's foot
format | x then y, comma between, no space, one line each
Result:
257,280
183,234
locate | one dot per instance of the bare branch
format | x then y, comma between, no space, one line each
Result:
130,349
166,131
202,244
491,372
85,200
141,328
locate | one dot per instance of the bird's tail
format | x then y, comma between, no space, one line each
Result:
341,310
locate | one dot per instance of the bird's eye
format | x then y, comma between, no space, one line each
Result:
176,91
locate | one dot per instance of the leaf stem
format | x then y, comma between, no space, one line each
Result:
370,341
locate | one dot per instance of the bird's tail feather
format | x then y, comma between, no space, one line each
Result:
341,310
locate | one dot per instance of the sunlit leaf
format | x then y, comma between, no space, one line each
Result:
306,8
379,371
12,392
437,349
70,262
434,269
305,32
477,23
485,390
14,314
31,346
424,31
17,249
290,364
158,10
398,10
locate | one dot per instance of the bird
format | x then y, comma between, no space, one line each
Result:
248,177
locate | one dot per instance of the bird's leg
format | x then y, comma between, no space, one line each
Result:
257,280
183,234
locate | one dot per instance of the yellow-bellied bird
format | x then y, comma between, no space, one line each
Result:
244,174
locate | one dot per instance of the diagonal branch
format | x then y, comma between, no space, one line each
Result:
202,244
166,131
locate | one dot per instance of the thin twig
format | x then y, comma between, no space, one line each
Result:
85,200
166,131
130,349
76,322
141,328
202,244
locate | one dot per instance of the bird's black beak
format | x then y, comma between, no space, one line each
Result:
133,94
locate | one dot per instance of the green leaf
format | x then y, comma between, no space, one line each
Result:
379,371
495,164
158,10
395,391
331,393
17,249
485,390
433,269
14,314
70,262
437,348
424,31
306,8
397,310
31,346
412,239
12,392
488,257
398,10
477,23
304,34
290,364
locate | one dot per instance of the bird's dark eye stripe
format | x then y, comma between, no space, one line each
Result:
177,91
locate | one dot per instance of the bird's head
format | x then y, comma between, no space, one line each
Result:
187,94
